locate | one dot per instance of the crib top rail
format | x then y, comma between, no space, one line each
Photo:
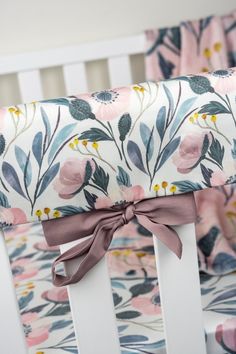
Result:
27,66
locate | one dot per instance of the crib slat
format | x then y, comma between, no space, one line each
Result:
75,78
30,85
119,71
93,310
180,295
12,339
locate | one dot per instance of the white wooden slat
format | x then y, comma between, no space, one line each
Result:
180,295
30,85
12,339
119,71
75,78
73,54
92,310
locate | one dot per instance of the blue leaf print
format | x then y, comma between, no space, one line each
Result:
128,315
170,98
48,177
233,151
11,177
37,147
60,324
4,201
230,294
60,138
147,138
223,263
25,300
60,101
187,186
123,178
133,339
24,163
182,111
135,155
168,151
117,284
17,252
46,124
160,122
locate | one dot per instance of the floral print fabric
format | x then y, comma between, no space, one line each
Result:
45,310
207,44
197,46
70,155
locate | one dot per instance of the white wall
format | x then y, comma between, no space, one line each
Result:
28,25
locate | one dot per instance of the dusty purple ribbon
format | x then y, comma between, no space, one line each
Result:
157,215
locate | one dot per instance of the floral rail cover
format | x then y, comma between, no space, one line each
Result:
73,154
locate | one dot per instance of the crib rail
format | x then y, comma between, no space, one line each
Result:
27,66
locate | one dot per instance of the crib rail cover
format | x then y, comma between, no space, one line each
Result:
74,154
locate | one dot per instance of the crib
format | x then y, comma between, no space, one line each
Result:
93,316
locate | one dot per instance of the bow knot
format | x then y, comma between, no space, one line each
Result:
129,213
156,215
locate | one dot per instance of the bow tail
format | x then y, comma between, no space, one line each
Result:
164,233
93,249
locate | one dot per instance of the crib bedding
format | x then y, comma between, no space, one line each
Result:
45,310
167,138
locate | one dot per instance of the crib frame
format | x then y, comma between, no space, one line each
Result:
93,316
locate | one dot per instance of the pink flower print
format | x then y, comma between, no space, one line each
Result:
127,194
34,333
23,269
148,304
71,177
223,81
56,295
109,104
189,151
226,335
43,246
11,216
218,178
131,194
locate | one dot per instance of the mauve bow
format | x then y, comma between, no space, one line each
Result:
156,215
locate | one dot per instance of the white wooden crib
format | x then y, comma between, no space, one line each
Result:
93,316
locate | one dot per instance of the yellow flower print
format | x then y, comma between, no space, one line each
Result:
217,46
56,214
213,118
156,188
38,213
164,185
76,141
140,254
95,145
191,119
17,112
116,253
207,53
173,189
85,142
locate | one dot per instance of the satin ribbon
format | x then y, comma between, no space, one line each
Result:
156,215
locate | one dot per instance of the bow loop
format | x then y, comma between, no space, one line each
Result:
156,215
